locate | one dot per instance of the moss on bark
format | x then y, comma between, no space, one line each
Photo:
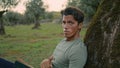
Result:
103,36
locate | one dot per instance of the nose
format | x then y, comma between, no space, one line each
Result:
65,25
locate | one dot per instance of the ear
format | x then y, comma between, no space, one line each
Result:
80,26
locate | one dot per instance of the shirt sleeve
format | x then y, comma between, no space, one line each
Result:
77,56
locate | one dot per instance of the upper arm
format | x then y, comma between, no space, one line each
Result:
77,57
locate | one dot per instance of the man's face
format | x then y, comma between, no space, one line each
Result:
70,27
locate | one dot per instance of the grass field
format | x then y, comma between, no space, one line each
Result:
31,45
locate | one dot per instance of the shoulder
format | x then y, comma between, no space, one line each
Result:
78,45
78,49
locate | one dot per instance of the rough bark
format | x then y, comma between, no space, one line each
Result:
103,36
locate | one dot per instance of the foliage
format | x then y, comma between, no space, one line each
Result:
35,10
52,15
48,15
75,3
13,18
5,4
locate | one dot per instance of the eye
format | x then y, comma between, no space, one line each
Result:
71,23
63,22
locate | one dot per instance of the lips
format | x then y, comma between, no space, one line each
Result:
65,32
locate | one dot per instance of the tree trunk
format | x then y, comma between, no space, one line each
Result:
2,29
103,36
37,24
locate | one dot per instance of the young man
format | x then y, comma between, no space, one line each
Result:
71,51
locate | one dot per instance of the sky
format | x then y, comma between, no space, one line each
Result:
20,7
54,5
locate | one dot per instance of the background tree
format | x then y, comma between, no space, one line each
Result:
34,12
2,30
6,4
13,18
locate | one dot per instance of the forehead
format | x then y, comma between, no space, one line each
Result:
68,17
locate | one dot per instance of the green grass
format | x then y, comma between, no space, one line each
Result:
31,45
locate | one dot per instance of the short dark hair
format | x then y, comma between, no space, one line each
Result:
75,12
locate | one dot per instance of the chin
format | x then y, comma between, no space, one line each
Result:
66,36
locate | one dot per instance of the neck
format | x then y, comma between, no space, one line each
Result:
72,38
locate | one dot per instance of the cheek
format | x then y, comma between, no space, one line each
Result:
73,29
